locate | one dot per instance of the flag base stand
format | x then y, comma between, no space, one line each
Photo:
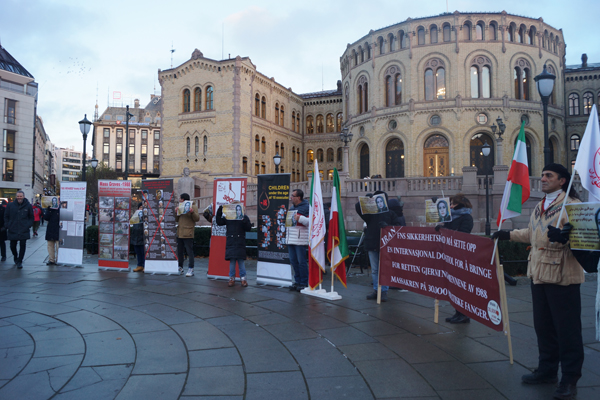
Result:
321,293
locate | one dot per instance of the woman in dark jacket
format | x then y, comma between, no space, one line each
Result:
137,238
52,215
2,231
462,221
235,247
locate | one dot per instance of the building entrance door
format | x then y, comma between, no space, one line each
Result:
435,162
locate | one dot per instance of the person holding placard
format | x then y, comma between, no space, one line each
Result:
556,277
185,234
52,215
235,246
137,237
297,240
442,207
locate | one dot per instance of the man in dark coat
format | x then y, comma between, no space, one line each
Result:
18,219
52,215
2,231
235,246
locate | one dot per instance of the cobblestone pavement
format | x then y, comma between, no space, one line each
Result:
81,333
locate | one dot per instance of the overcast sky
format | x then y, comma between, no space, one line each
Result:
76,48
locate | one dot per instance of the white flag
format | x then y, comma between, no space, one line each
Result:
588,159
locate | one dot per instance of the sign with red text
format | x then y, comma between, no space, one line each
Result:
114,198
446,265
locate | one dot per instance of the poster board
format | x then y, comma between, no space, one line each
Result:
438,211
225,191
72,222
273,265
114,200
373,205
50,201
160,229
585,218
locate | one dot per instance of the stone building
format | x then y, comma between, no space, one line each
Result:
39,165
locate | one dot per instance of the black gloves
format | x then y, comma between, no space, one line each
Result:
559,236
438,227
382,224
501,235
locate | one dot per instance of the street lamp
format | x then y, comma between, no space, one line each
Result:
485,150
94,163
500,128
277,161
84,126
346,137
545,84
128,115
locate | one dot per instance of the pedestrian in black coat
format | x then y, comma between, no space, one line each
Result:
137,238
2,231
52,215
18,219
235,246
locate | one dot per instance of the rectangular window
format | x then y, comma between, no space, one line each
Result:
131,164
156,150
105,158
144,164
119,133
144,149
156,135
256,168
132,134
10,111
119,164
131,149
9,141
144,134
8,170
156,166
106,132
119,118
119,148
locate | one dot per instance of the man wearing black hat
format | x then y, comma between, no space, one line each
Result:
556,277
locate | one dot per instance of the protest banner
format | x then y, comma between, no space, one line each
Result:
373,205
273,265
72,222
585,218
225,191
437,211
160,229
114,197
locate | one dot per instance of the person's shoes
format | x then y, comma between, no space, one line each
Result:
383,297
456,314
293,287
190,272
50,263
19,265
231,282
244,282
3,259
299,288
460,319
139,268
565,391
537,377
180,270
372,295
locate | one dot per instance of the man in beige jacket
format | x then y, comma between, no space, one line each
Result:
556,277
185,234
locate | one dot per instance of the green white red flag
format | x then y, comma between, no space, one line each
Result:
338,250
517,189
316,231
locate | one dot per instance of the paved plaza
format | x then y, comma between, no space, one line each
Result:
81,333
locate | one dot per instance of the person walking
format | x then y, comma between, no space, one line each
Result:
185,235
137,237
3,231
37,216
52,215
235,246
462,221
18,219
297,240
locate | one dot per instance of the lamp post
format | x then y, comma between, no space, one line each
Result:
346,137
545,85
485,150
500,128
277,161
128,115
84,126
94,164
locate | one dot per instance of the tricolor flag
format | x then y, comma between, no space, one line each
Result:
516,191
316,231
338,250
588,158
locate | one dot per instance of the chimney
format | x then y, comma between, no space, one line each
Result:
584,60
136,103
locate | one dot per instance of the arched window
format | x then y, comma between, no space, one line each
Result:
330,127
435,80
391,40
362,54
298,154
264,145
493,30
282,151
355,56
196,145
338,123
293,153
257,143
522,77
186,100
364,161
433,34
310,156
521,34
446,32
402,39
435,156
294,120
245,165
188,146
197,99
484,164
276,113
320,127
363,95
263,107
511,32
209,98
420,36
588,101
467,30
479,31
205,145
330,155
394,159
531,35
277,147
381,46
552,99
339,154
575,142
257,105
393,86
573,104
368,48
480,77
281,116
310,128
298,122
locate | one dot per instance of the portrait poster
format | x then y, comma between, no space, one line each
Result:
373,205
50,201
290,218
273,265
438,211
585,218
234,211
159,206
72,221
183,207
114,199
225,191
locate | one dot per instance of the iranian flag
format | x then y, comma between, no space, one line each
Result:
588,158
316,232
338,251
516,191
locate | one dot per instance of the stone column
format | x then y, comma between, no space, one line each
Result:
499,152
469,185
345,166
